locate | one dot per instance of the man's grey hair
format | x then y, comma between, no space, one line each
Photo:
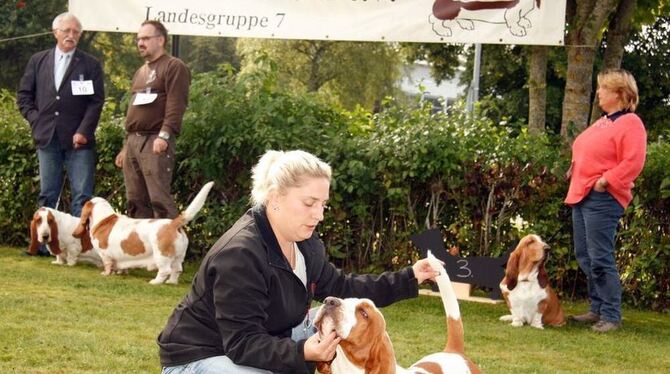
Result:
67,16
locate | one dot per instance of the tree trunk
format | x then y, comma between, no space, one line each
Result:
537,90
618,33
584,30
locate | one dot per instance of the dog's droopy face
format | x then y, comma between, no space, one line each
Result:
349,318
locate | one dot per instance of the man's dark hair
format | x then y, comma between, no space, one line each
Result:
159,28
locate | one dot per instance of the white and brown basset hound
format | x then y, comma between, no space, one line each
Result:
54,229
526,287
366,347
123,242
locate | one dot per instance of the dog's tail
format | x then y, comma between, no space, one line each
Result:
197,203
455,339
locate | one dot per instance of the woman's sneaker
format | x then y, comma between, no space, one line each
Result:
605,326
588,317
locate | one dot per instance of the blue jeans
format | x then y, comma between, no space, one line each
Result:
594,224
224,365
80,167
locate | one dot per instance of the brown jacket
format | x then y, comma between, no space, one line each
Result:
169,78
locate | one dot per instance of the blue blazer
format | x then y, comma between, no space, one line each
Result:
50,111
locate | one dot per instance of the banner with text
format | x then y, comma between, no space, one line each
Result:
438,21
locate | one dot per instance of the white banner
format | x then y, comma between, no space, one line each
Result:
438,21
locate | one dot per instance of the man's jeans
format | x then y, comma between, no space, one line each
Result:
594,224
80,167
224,365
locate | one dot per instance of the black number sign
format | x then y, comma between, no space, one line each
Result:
486,272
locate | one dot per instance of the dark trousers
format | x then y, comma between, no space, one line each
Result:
594,224
148,177
80,167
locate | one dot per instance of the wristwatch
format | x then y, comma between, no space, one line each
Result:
164,135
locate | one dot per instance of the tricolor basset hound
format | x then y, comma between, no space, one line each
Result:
125,242
526,287
366,347
54,229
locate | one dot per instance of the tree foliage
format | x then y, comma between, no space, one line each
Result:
352,73
22,18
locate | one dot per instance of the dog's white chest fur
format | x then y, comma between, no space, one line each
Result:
343,365
524,299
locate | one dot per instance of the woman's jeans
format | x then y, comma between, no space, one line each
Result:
594,225
224,365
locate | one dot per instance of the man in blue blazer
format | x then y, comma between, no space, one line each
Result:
61,95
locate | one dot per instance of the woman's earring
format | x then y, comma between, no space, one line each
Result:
275,208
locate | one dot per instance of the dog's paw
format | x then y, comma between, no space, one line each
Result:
506,318
466,24
525,23
517,30
156,281
439,26
517,323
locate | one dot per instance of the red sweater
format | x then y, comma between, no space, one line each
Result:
612,149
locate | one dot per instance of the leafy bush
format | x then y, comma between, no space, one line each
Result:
395,173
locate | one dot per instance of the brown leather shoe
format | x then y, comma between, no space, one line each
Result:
605,326
588,317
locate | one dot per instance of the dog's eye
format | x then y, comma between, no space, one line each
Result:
363,313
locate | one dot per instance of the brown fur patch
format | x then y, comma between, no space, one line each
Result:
368,345
54,244
32,249
102,230
133,245
430,367
167,236
455,336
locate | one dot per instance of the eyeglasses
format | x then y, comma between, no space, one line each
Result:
74,32
145,38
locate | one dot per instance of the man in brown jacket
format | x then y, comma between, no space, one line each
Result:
159,98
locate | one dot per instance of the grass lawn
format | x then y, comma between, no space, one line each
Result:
58,319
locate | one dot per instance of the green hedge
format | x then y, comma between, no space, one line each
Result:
396,173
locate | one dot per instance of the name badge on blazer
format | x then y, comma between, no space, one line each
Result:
82,87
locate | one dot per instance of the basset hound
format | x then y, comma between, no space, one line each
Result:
366,347
526,287
125,242
54,229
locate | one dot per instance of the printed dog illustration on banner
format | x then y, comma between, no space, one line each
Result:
513,13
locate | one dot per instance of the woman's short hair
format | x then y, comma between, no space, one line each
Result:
280,170
622,82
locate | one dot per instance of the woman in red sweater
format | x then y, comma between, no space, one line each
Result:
606,159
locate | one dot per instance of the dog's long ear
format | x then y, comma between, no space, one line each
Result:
86,244
381,359
542,276
323,367
81,228
54,246
512,269
34,244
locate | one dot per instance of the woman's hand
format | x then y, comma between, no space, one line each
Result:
601,185
423,271
321,350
